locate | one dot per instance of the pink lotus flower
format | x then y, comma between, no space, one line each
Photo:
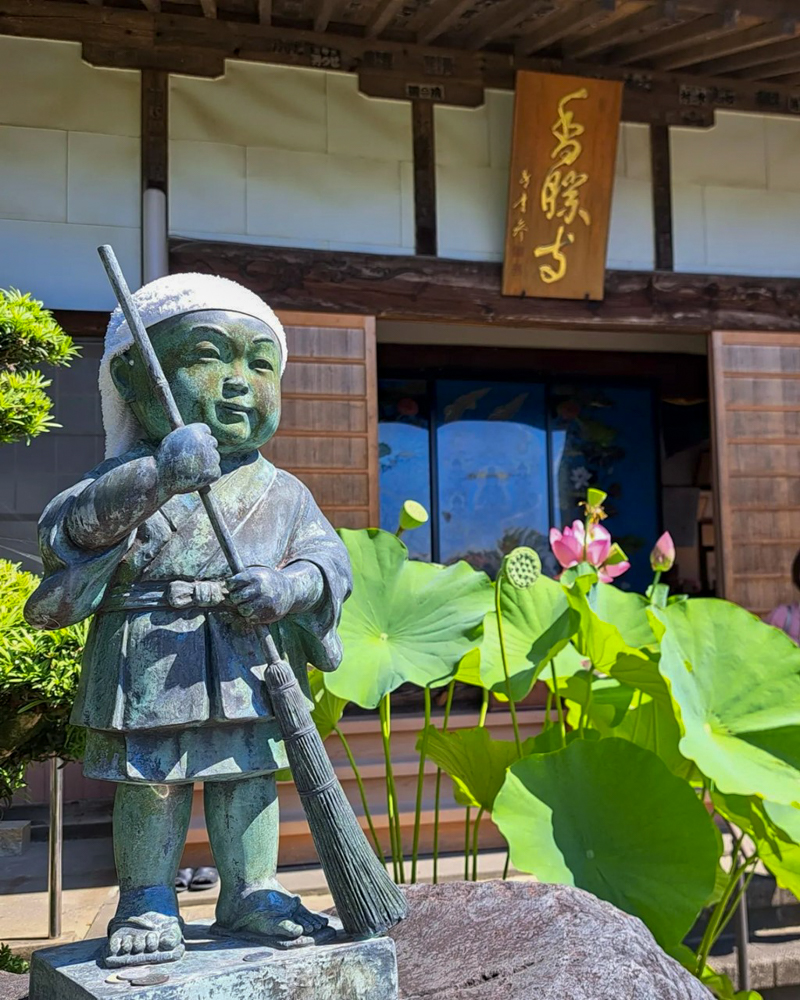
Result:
574,545
567,546
662,558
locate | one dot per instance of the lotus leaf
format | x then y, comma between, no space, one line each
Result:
537,625
405,621
476,762
609,817
328,709
736,682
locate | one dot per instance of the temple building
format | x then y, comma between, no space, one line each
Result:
354,163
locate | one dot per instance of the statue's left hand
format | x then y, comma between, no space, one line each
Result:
262,593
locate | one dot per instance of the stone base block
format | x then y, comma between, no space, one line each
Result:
15,837
225,969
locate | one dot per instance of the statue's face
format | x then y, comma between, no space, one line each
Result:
224,370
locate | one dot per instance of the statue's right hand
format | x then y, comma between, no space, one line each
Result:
187,459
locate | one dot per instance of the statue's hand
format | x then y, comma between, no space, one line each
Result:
262,593
187,459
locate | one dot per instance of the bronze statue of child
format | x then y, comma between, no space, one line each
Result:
171,688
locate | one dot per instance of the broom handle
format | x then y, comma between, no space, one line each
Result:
164,394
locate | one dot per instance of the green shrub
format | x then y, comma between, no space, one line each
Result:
9,962
29,337
38,679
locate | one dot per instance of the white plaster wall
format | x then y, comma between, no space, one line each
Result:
69,172
287,156
472,153
736,196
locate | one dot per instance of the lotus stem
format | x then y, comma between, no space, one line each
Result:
559,705
548,708
484,708
507,864
475,835
362,793
448,705
466,844
420,784
391,791
511,705
713,928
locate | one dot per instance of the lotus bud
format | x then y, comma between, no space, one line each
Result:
662,558
522,567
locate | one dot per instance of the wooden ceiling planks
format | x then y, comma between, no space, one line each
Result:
748,40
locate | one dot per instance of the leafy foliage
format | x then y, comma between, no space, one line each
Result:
9,962
39,674
29,337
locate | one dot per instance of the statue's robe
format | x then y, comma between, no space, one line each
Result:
171,684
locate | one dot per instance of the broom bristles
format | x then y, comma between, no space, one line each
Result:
367,901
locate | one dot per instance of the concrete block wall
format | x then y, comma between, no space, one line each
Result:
291,157
69,172
736,196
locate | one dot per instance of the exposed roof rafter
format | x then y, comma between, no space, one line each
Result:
569,20
700,29
743,41
621,30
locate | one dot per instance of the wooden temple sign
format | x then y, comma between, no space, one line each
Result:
562,173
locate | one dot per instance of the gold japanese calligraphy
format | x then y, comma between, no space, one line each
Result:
565,134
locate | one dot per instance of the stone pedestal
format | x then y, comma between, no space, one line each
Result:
225,969
15,837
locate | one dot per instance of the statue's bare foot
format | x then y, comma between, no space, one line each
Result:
143,938
272,916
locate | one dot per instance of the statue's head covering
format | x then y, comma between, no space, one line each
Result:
162,299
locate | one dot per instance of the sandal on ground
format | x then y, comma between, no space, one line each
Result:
203,878
183,878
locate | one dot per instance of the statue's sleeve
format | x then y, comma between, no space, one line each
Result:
314,540
74,579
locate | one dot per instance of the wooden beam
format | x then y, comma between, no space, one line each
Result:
423,134
265,11
620,30
324,13
743,60
700,29
209,8
154,6
776,68
434,289
381,17
661,174
563,22
155,129
738,41
441,18
496,20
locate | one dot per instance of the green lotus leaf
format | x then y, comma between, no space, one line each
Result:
778,841
328,709
476,762
537,625
616,636
736,682
405,620
609,817
603,700
469,668
652,724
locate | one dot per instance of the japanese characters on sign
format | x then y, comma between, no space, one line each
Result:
564,150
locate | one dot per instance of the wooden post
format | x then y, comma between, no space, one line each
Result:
155,173
422,126
661,170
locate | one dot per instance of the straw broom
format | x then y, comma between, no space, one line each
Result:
367,901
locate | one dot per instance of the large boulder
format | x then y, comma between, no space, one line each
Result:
508,940
13,987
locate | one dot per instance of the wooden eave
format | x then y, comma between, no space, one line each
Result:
680,59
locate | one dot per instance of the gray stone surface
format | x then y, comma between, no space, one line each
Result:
13,987
214,969
529,941
15,837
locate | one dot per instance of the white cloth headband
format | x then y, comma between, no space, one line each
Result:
162,299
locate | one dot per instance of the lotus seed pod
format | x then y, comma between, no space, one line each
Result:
523,567
412,515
